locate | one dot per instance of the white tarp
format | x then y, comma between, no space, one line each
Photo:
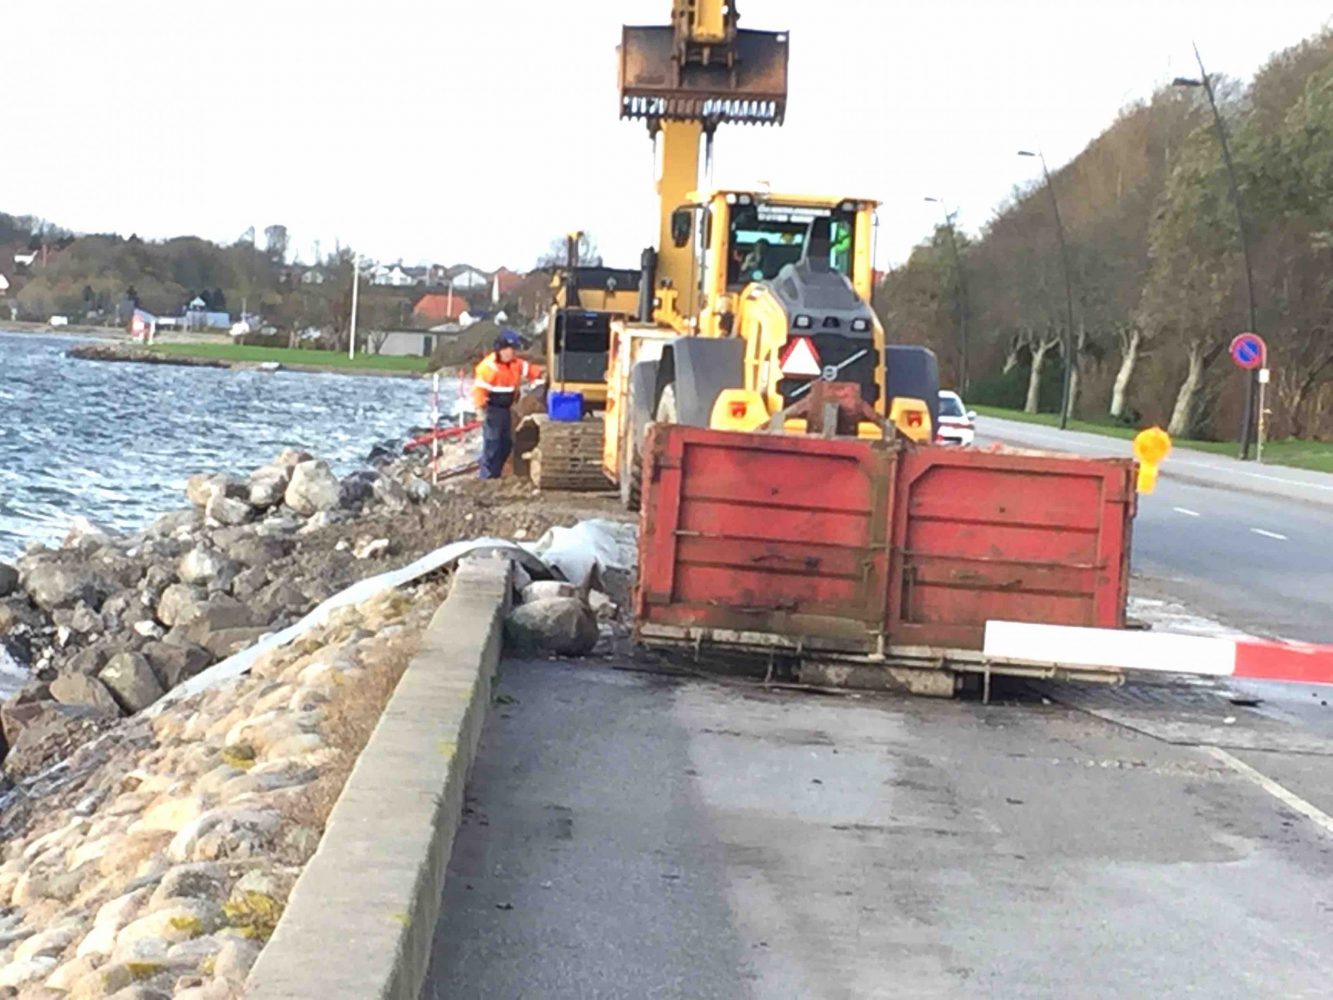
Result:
586,553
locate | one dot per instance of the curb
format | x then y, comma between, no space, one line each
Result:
360,921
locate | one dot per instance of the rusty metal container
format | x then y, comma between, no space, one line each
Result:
804,544
980,536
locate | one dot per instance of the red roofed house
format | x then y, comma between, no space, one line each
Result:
439,307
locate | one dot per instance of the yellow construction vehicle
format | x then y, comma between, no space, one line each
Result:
750,297
578,329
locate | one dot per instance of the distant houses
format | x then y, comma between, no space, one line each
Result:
466,276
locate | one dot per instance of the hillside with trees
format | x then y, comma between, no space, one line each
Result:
1155,258
103,278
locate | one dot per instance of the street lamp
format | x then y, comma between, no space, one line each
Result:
356,283
1069,292
1207,85
960,294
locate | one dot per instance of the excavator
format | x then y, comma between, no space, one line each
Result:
750,298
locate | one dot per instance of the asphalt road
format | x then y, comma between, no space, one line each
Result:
634,836
1251,546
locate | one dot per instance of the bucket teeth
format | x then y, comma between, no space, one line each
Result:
743,80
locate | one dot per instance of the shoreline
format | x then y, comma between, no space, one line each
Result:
22,328
117,352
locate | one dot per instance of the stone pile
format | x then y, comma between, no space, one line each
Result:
107,623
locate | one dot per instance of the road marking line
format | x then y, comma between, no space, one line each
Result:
1179,460
1186,511
1269,534
1284,795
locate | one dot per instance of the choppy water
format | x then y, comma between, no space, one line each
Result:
114,443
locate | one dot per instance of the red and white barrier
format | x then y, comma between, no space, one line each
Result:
1164,652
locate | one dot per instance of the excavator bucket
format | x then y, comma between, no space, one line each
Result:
747,85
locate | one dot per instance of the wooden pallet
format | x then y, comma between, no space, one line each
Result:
568,455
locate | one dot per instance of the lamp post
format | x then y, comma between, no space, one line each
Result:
960,294
356,283
1253,381
1069,291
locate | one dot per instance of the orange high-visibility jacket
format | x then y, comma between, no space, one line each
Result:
497,382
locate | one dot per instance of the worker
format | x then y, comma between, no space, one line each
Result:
755,261
499,376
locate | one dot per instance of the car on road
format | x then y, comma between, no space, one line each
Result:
958,424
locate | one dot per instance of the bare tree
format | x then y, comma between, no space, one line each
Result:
557,252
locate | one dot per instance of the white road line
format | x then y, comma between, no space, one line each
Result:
1186,511
1284,795
1269,534
1181,460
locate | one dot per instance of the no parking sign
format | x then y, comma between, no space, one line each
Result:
1249,351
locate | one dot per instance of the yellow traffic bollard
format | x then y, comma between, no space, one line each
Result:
1150,447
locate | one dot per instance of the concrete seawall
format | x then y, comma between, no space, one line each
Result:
360,920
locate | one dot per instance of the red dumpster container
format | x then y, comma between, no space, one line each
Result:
765,535
981,536
809,544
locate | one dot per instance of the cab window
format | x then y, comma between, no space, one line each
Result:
764,238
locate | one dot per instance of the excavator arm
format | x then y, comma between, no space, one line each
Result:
684,79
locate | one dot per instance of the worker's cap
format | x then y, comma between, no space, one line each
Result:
508,338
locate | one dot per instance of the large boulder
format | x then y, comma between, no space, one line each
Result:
175,662
227,510
202,487
281,597
204,566
48,731
94,658
80,689
180,604
389,493
17,613
257,550
225,626
80,619
9,579
291,457
560,625
248,582
357,488
313,488
18,709
223,611
54,585
224,642
130,679
177,520
268,485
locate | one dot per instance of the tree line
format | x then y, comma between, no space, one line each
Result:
1155,260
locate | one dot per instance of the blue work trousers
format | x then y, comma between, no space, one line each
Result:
497,441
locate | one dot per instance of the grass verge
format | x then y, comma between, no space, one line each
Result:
1314,455
334,360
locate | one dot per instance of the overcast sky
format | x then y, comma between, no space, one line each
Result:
441,130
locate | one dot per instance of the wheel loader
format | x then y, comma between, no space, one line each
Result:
749,297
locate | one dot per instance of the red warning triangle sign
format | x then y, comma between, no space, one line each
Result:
800,358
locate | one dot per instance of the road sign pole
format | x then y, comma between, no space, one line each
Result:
1263,377
1247,423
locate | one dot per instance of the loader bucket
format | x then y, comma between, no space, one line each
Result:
656,83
